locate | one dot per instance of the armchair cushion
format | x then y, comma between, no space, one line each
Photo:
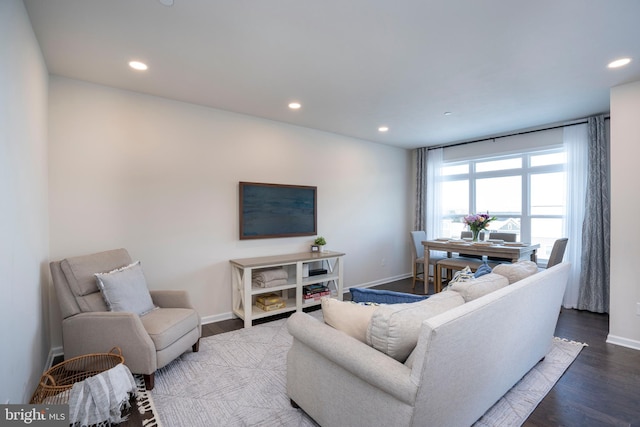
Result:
79,271
166,325
125,289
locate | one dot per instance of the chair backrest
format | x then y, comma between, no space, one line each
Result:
557,252
417,237
507,237
76,285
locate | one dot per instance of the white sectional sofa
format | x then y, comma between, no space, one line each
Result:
466,358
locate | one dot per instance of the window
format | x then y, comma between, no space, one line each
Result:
525,191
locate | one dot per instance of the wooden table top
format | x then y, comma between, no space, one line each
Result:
510,250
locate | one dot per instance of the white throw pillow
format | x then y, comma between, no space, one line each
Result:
125,289
394,329
516,271
479,286
349,317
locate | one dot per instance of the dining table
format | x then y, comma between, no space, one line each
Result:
513,251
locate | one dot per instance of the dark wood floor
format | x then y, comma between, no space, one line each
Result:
600,388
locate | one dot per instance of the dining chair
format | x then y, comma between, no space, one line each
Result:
456,263
417,237
467,235
557,252
453,264
507,237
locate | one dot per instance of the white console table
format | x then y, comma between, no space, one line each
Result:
244,293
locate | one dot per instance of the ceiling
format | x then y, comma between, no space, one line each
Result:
355,65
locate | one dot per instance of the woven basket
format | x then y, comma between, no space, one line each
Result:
55,384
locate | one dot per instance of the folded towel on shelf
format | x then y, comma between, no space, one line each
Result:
264,276
270,283
100,399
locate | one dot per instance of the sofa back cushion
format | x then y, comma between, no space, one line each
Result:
394,329
349,317
479,286
516,271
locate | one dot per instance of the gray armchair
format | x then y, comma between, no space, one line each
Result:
148,342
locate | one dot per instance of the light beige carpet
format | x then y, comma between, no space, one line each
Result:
239,379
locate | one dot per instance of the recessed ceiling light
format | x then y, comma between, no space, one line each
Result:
168,3
448,113
619,63
383,129
295,105
137,65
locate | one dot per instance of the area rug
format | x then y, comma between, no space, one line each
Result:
239,379
142,412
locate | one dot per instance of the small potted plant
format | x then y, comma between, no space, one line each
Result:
318,244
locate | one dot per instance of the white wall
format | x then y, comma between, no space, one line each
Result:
624,322
24,327
160,178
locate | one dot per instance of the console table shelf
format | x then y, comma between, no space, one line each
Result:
244,292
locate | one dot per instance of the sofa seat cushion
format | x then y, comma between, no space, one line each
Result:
394,329
479,286
166,325
516,271
349,317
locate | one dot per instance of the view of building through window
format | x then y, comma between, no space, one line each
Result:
526,192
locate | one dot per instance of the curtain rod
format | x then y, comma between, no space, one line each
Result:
525,132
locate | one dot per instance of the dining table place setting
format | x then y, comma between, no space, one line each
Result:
477,244
513,251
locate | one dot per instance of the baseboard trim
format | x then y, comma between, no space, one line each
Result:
624,342
217,318
53,353
59,351
380,281
229,315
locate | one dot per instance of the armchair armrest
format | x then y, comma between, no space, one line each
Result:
171,299
365,362
100,331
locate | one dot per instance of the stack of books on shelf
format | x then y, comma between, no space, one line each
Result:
270,302
313,293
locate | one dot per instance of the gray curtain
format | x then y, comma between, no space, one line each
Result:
421,189
594,276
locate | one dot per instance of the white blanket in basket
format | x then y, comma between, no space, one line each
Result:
100,399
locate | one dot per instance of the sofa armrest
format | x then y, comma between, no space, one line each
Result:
171,299
99,332
368,364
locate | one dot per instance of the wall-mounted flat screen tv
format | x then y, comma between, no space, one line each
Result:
276,210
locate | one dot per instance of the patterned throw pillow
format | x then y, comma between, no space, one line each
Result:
462,275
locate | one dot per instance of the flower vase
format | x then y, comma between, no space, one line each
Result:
476,233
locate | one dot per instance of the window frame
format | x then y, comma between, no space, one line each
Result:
525,172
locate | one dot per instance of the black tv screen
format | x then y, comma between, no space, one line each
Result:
276,210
